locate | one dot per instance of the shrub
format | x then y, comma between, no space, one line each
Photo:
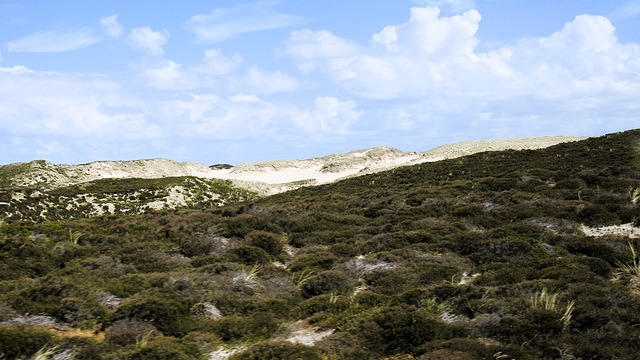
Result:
44,297
323,307
399,328
269,242
126,332
247,254
392,281
163,348
78,309
597,215
170,314
17,341
463,349
258,326
278,350
316,261
327,282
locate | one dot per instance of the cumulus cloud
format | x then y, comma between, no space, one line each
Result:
401,60
435,56
53,41
435,82
247,116
36,102
148,41
223,23
110,26
215,71
330,115
62,115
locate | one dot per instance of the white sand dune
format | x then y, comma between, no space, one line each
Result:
273,176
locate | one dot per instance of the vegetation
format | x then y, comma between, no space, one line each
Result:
476,257
117,196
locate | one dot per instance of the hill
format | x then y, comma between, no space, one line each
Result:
503,254
39,190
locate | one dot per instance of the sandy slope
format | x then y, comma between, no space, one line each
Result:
272,176
372,160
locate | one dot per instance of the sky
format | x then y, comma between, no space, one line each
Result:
230,81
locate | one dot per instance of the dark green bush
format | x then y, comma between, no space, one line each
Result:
463,349
269,242
163,348
393,281
247,254
597,215
258,326
399,329
78,309
17,341
328,282
169,313
316,261
278,350
126,331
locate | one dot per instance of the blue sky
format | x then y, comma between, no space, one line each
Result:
230,82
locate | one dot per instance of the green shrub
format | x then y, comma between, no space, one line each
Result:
43,297
323,307
328,282
501,274
278,350
463,349
597,215
258,326
163,348
169,313
392,281
127,332
399,329
78,309
269,242
247,254
17,341
314,262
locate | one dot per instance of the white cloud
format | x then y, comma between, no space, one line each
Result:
627,10
453,6
223,23
53,41
306,46
216,72
586,33
435,82
39,103
110,26
261,82
69,117
330,115
435,57
246,116
148,41
411,59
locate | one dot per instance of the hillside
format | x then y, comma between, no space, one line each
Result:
504,254
39,190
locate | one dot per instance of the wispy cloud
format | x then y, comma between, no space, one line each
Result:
148,41
214,71
453,6
628,10
110,26
54,41
223,23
